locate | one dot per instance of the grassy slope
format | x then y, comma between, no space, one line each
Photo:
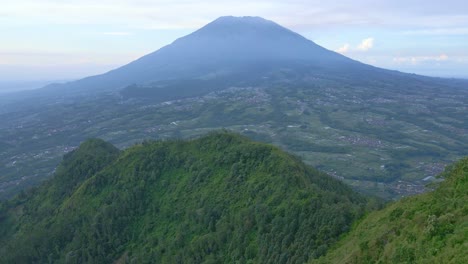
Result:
220,198
429,228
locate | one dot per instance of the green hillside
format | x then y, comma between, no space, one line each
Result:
217,199
429,228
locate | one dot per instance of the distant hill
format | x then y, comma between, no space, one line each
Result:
217,199
15,86
428,228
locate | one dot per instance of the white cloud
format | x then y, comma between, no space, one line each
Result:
343,49
419,59
117,33
58,58
438,31
191,14
366,44
158,14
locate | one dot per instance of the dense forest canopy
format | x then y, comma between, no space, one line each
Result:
219,198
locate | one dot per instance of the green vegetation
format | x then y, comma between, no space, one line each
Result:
428,228
370,134
217,199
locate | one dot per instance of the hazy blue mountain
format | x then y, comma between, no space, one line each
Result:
231,51
225,46
20,85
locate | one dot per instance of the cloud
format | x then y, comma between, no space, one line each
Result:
438,31
141,14
117,33
191,14
343,49
62,58
419,59
366,44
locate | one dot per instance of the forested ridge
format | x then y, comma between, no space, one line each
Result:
220,198
427,228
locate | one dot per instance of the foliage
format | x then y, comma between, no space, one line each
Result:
429,228
219,198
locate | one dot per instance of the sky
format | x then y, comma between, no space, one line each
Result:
67,39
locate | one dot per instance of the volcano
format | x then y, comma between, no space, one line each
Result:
227,47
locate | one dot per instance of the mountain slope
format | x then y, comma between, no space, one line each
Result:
220,198
429,228
228,45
